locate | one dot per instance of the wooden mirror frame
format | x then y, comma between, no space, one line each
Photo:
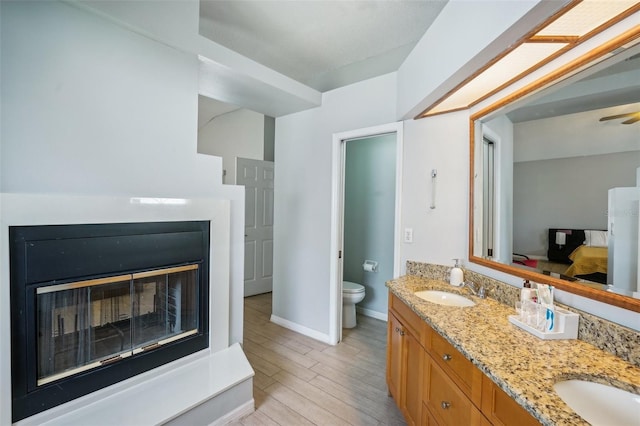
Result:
625,302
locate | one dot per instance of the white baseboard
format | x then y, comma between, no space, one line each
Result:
324,338
373,314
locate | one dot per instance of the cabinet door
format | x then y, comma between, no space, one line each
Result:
501,409
412,368
394,357
427,418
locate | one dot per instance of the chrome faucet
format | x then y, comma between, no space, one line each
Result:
476,290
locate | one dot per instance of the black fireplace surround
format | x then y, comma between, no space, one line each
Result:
52,265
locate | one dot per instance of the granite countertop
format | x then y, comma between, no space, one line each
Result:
522,365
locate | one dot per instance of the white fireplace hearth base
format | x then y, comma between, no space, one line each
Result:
201,389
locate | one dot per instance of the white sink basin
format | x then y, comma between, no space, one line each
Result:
444,298
600,404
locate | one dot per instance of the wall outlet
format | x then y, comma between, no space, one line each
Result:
408,235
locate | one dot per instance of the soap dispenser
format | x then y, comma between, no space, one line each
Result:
456,278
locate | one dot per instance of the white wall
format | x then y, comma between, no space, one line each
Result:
303,195
239,133
114,112
91,108
441,143
565,193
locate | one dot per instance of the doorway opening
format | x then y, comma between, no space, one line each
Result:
363,139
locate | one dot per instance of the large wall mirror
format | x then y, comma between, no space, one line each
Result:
555,181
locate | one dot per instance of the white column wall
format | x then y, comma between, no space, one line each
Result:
89,107
303,195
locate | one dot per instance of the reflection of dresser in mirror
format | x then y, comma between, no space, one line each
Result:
624,234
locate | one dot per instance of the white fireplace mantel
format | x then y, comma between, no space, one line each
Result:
219,379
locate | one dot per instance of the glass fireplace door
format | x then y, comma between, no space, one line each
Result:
87,324
165,308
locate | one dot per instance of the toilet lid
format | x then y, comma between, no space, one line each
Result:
349,287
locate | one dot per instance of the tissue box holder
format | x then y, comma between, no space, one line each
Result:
567,326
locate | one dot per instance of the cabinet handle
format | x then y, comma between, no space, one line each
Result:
402,332
445,405
446,357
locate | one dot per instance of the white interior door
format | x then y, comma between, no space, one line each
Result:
257,178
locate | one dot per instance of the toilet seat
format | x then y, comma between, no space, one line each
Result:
352,288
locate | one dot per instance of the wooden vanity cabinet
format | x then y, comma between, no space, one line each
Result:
405,358
434,384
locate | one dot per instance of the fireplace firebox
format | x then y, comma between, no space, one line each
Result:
92,305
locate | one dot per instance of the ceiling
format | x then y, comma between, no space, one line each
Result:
324,44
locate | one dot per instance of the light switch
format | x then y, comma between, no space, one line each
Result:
408,235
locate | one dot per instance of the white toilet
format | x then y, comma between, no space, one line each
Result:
352,293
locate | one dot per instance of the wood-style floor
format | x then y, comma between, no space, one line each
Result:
300,381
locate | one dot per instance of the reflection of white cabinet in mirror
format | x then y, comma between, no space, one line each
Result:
622,271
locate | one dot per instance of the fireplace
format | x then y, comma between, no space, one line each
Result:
92,305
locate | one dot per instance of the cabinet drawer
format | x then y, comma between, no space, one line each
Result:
444,400
461,370
407,316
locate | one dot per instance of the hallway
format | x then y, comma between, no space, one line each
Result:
300,381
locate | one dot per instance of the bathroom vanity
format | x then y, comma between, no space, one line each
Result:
449,365
433,383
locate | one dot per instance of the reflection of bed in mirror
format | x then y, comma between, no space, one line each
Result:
585,251
588,261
